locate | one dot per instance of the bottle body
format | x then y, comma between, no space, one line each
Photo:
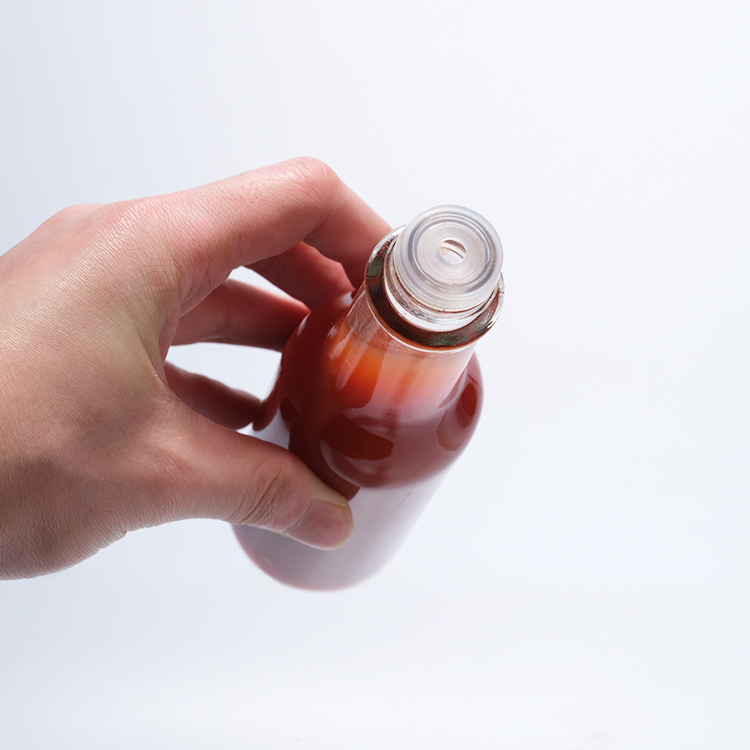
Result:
378,419
380,394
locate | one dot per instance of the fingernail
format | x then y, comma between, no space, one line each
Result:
327,524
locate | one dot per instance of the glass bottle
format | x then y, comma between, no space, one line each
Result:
379,394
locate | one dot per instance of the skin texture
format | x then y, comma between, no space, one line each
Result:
98,434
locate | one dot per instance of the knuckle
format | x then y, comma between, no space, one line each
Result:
318,181
70,213
261,506
275,501
132,235
125,219
68,219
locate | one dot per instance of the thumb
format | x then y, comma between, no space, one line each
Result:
247,481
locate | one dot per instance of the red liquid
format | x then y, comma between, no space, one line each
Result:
376,418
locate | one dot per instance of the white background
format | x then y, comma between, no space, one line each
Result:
581,580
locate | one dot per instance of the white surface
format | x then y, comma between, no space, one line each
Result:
581,581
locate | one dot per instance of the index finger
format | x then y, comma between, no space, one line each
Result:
261,214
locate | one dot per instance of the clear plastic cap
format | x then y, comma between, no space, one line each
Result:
446,266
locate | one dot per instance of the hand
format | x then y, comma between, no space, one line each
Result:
98,434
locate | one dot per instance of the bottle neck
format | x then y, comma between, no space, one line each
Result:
437,282
382,369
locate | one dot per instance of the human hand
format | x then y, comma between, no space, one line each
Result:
98,434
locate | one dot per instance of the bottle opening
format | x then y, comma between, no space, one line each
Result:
452,251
